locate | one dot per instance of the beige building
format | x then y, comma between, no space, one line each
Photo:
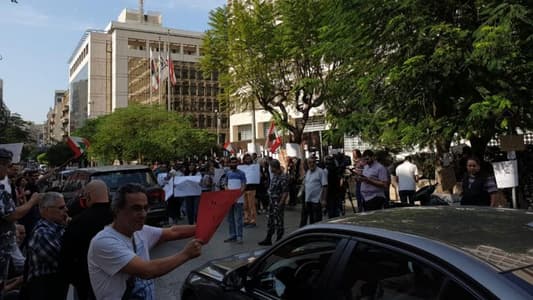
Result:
57,118
110,69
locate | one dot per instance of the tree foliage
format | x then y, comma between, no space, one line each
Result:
16,130
269,52
144,133
422,72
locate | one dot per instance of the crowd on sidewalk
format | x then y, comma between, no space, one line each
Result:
103,252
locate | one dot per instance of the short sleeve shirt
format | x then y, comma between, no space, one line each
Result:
109,252
235,179
314,181
278,186
375,171
406,173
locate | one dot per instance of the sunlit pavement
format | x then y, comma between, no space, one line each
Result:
168,286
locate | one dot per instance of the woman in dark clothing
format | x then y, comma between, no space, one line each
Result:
479,186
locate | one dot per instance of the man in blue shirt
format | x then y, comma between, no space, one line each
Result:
235,179
374,181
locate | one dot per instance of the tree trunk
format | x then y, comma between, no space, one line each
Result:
479,144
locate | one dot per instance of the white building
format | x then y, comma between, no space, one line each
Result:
109,69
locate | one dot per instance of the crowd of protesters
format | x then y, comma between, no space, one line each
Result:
103,252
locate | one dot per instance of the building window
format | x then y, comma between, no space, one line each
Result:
245,132
266,127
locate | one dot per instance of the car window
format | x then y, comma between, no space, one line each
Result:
293,271
114,180
72,184
374,272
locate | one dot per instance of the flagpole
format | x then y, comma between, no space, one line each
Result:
168,63
159,74
149,73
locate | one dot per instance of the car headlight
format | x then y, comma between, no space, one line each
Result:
193,278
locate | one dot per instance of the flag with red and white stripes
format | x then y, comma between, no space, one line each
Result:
154,80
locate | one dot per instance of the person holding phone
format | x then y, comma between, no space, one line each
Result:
374,180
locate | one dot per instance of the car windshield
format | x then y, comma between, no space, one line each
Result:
116,179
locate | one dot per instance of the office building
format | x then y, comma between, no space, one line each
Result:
109,69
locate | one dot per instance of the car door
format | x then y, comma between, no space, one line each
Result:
379,271
299,268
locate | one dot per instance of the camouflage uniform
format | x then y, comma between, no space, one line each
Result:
8,242
279,184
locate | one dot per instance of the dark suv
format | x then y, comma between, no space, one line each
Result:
114,177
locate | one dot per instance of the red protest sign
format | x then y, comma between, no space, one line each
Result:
211,211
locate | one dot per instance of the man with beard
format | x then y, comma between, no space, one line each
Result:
118,258
235,179
278,193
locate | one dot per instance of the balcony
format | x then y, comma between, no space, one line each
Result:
64,120
65,108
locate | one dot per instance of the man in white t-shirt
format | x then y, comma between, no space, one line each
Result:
119,258
407,174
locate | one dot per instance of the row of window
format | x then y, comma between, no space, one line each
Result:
79,59
187,49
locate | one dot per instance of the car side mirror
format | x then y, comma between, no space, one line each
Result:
235,279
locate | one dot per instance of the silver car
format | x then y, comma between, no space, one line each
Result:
404,253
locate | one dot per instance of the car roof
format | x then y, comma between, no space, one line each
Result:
501,237
104,169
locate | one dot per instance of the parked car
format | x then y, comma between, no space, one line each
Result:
439,252
114,177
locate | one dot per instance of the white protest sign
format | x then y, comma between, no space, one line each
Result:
16,149
234,184
253,148
216,178
169,189
252,173
506,173
293,150
187,186
161,178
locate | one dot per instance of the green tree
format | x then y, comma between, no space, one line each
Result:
16,130
268,52
59,154
144,133
420,72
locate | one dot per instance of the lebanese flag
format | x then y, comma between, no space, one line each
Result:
229,147
212,209
273,141
78,145
172,76
154,81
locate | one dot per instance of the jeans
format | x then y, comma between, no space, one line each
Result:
192,203
407,196
235,221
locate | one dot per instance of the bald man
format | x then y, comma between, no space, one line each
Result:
79,233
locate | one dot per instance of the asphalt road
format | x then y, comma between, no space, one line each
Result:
168,287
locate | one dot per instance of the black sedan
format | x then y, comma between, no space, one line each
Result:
404,253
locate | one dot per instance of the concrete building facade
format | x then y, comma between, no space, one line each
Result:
57,124
110,69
